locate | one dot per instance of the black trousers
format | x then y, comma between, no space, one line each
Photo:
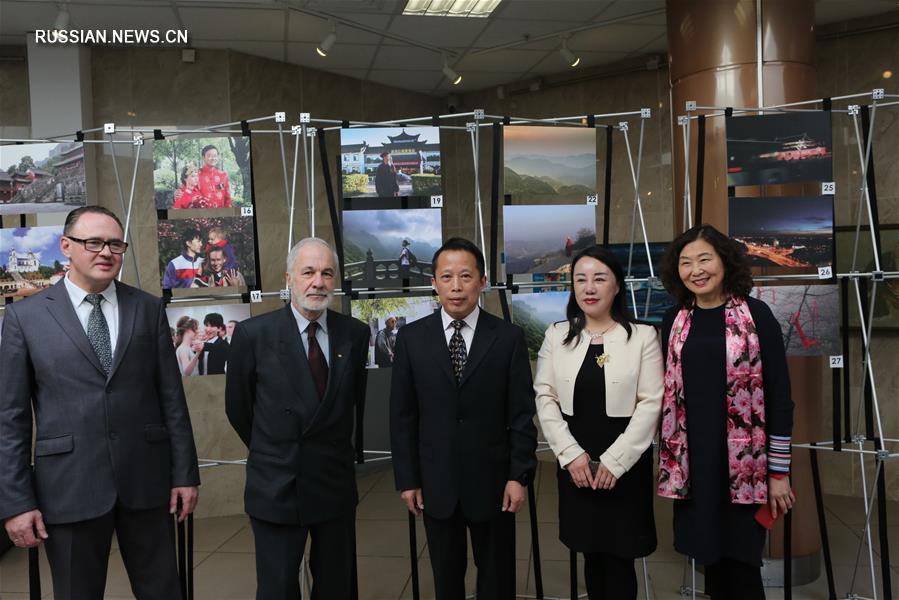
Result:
493,546
332,559
78,554
609,577
731,579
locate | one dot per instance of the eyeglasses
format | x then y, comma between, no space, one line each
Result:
97,245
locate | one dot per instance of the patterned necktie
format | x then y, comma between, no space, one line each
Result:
98,332
317,363
458,352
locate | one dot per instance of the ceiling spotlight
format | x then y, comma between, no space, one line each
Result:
570,58
62,19
454,77
327,42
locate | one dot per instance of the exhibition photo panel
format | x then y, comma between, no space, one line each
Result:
202,172
809,316
31,259
781,148
386,162
207,252
536,311
649,301
384,248
385,317
42,178
784,235
549,163
544,238
886,298
202,335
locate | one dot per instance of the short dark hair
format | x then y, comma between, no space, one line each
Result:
737,275
214,320
73,216
459,243
190,235
215,249
207,149
575,315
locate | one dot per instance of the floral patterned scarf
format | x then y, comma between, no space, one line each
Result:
746,440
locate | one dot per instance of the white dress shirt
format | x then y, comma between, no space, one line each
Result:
467,330
109,307
321,335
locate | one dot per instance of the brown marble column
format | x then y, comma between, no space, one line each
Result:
713,58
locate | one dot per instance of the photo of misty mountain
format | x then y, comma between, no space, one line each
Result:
383,247
543,238
549,162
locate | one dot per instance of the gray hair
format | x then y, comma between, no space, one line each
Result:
292,255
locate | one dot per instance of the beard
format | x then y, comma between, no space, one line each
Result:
313,304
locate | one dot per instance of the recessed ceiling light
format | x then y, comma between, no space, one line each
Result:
450,8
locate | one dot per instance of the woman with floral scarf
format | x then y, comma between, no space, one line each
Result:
727,415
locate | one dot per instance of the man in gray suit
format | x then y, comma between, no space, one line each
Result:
114,450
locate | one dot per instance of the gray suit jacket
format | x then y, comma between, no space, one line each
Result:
126,437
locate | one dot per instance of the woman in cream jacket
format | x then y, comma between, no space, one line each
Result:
599,388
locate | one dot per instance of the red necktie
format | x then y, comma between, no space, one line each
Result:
317,363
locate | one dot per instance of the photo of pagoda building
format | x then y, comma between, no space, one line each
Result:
411,155
390,161
45,177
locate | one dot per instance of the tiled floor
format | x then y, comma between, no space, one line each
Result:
225,569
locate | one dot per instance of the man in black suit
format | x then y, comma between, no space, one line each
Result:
114,451
216,348
461,427
294,378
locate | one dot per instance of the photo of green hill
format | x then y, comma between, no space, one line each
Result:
535,312
549,162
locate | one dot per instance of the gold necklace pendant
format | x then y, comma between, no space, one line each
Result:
602,359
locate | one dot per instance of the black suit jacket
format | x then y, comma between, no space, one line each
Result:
217,353
462,443
300,467
125,437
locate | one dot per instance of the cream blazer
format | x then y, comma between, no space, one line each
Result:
634,386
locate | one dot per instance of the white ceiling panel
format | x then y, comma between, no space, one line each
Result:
112,17
501,60
233,23
624,8
405,58
307,28
560,10
340,57
439,31
272,50
504,32
617,38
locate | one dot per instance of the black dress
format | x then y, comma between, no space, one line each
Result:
618,521
707,525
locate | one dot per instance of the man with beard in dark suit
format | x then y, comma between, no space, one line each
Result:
295,377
